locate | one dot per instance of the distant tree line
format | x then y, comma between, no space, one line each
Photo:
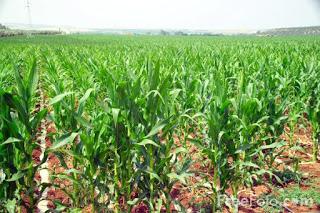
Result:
3,27
7,32
182,33
291,31
10,33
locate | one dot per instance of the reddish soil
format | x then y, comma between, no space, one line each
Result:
36,155
56,193
140,208
313,169
303,209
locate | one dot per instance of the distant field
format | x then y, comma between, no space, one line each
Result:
159,123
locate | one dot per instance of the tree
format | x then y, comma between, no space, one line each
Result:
3,27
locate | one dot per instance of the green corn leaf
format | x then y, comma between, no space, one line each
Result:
133,202
148,141
83,121
249,164
59,98
60,156
159,205
155,130
60,207
156,93
154,176
68,177
273,145
11,205
297,148
2,176
72,171
16,176
181,177
86,96
178,206
221,133
180,150
243,148
83,100
19,81
37,119
115,115
17,105
10,140
63,141
33,78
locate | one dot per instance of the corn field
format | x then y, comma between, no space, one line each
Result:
121,115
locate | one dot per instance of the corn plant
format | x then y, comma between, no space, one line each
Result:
274,104
313,108
68,117
234,135
220,143
19,126
150,128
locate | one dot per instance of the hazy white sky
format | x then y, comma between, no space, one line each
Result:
173,14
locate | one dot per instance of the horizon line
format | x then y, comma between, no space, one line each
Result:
169,29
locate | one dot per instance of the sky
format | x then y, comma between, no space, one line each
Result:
164,14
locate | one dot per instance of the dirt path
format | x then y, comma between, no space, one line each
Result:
43,170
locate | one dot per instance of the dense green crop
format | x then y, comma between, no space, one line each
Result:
124,107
